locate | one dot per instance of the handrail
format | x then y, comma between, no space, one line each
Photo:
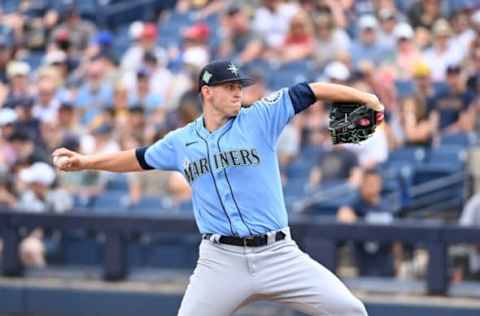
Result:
319,237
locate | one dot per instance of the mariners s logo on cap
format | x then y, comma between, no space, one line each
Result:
233,69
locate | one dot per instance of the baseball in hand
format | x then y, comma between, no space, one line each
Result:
60,161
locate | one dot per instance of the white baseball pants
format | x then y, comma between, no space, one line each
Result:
229,277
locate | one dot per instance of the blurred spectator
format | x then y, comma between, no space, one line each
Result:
132,60
337,165
74,32
372,258
442,53
143,95
17,73
239,42
272,19
299,40
330,39
367,47
337,72
39,197
5,54
453,102
7,121
195,47
463,33
46,104
95,94
388,22
25,149
473,81
419,126
407,55
423,14
7,196
26,122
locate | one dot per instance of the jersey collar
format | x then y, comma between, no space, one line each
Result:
205,133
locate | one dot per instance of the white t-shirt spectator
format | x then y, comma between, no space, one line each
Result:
273,26
439,61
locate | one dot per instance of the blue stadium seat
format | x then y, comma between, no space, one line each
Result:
111,202
290,73
118,182
148,206
458,139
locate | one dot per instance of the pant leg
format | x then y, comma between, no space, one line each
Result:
219,284
290,276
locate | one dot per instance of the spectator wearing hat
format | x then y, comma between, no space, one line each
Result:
95,94
453,103
239,41
330,39
388,20
366,47
26,121
423,14
39,196
18,77
442,53
132,60
74,32
143,95
196,50
46,102
406,52
336,72
25,149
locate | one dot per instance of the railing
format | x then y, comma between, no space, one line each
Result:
319,237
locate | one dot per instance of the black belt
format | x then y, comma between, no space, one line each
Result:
250,241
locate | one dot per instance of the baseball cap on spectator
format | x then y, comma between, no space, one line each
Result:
367,22
149,31
199,31
195,56
421,69
103,129
476,17
403,30
233,9
7,116
143,72
39,172
103,38
23,102
55,57
135,30
17,68
337,71
454,69
387,14
441,28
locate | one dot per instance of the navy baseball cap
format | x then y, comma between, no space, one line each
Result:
220,72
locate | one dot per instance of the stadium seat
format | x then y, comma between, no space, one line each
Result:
290,73
458,139
111,202
148,206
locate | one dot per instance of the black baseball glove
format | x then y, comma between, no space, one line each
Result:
352,122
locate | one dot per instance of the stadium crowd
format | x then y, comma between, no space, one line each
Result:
67,81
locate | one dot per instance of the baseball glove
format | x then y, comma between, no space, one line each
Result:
351,122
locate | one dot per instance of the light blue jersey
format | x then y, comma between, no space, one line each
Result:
233,171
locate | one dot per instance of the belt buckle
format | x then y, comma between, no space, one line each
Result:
246,239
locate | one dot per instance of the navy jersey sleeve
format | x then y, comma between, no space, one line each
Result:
302,96
160,155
